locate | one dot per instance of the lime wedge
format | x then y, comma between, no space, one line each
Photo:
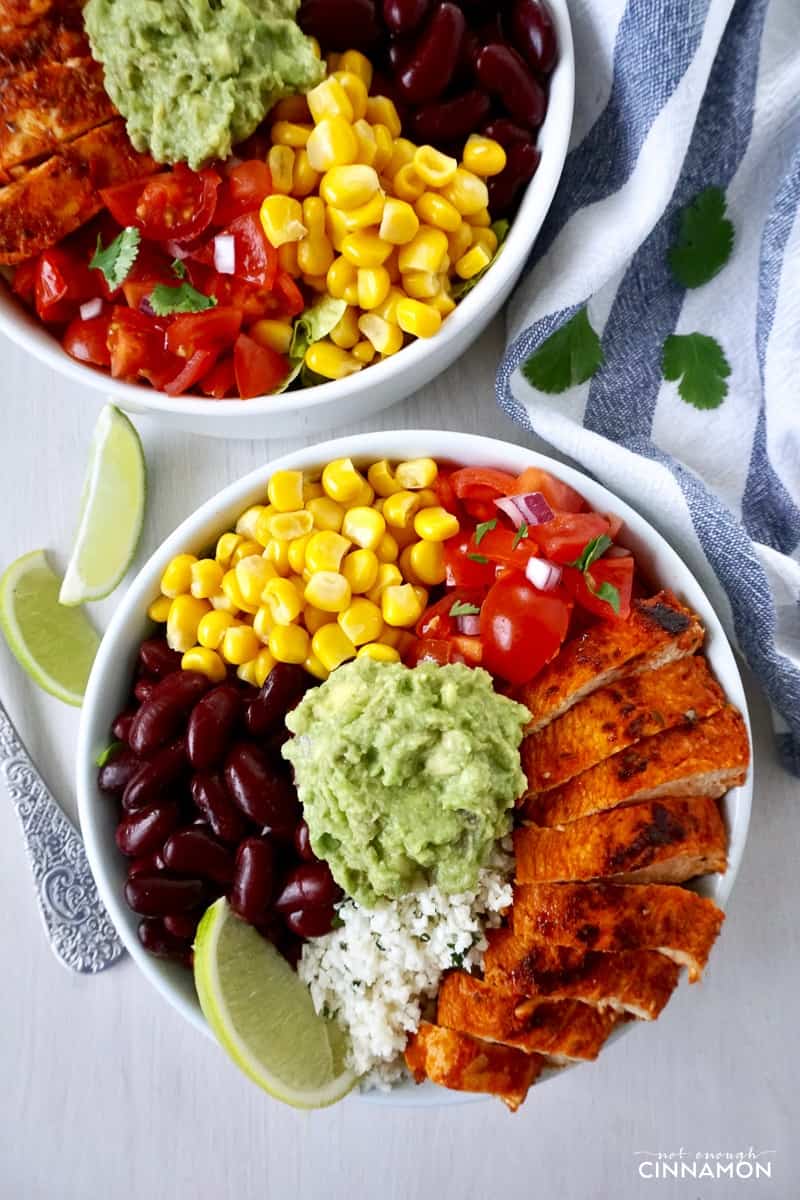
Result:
112,510
55,645
262,1014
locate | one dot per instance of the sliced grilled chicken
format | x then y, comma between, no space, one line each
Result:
563,1030
638,982
18,13
466,1064
704,759
54,39
52,200
655,841
618,715
617,916
658,631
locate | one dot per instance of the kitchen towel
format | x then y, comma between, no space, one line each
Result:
674,97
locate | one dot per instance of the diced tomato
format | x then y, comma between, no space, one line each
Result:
214,329
498,546
444,490
175,205
220,380
436,621
24,284
136,344
88,340
481,483
563,539
62,282
242,190
195,367
522,628
259,369
256,259
617,572
468,650
560,496
290,295
437,650
480,510
460,553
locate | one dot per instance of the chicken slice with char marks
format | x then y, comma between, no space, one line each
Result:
466,1064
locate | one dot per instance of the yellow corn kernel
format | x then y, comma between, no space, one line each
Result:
248,522
345,334
387,549
304,177
358,64
401,605
408,184
328,590
325,551
373,285
364,526
393,638
425,251
416,473
342,481
185,614
252,576
365,215
282,218
331,646
389,575
434,210
314,257
291,108
239,644
381,477
205,662
332,143
356,92
384,146
222,603
284,601
486,238
360,569
327,513
336,227
289,643
364,497
479,220
393,267
367,145
459,242
435,168
314,618
388,310
435,524
177,578
361,621
349,187
280,161
329,99
262,664
277,552
290,133
472,262
403,152
287,258
297,553
323,358
276,335
399,223
379,652
285,491
443,303
407,566
312,489
382,111
421,285
483,156
399,509
206,578
263,623
247,672
212,628
427,562
314,667
364,352
466,192
315,47
342,280
418,319
364,249
159,609
286,526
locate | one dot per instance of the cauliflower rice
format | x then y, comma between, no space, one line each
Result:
376,972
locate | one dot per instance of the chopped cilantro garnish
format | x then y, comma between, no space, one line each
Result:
591,552
700,365
569,356
117,258
482,529
705,239
521,533
178,268
478,558
165,300
460,609
110,752
606,591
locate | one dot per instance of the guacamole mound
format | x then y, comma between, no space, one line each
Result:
195,77
407,777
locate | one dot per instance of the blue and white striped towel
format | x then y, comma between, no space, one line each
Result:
674,96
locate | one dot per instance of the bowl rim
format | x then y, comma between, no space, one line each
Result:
123,635
24,329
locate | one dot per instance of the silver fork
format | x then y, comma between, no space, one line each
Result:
78,927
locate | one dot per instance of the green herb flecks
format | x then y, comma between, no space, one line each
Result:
165,300
482,529
117,258
520,535
705,240
461,609
568,357
699,365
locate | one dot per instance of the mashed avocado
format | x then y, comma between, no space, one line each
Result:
407,777
194,77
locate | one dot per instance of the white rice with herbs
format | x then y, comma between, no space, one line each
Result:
378,970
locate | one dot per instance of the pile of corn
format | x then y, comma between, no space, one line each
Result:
364,215
323,572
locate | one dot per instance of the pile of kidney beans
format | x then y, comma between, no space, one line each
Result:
454,69
209,807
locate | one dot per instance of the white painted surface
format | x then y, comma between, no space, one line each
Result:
108,1095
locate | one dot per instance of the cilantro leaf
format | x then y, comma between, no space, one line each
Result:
606,591
117,258
521,533
108,753
478,558
178,268
482,529
591,552
165,300
705,239
569,356
700,365
460,609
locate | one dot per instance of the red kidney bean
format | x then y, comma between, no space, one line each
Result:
253,880
456,118
310,922
159,940
433,60
115,775
212,800
164,711
504,189
154,776
283,687
340,24
534,35
161,895
147,863
505,73
145,831
183,925
157,658
506,132
492,30
309,886
263,793
121,726
196,853
302,843
143,689
467,57
404,16
211,725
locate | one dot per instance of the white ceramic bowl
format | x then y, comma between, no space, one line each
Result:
341,401
109,684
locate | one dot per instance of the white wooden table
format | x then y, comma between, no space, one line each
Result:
106,1094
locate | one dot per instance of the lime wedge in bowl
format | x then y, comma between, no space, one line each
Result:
55,645
112,510
263,1016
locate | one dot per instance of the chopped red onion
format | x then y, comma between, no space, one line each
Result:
470,626
530,507
225,253
177,250
92,308
542,574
